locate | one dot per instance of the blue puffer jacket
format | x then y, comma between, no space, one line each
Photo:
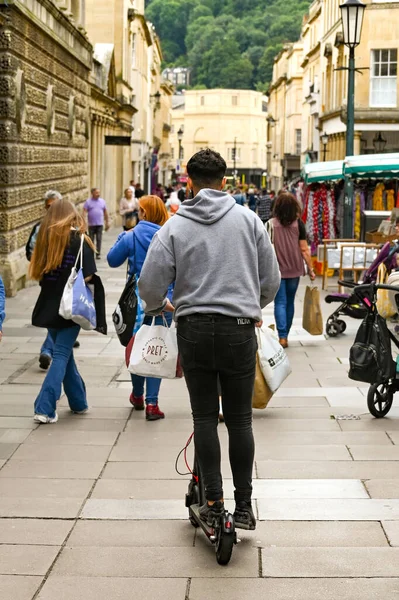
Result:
2,304
133,245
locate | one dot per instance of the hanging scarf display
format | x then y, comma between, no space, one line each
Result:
319,215
390,199
378,197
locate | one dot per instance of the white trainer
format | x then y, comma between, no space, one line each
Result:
45,419
81,412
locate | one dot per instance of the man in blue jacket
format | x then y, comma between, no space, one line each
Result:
220,257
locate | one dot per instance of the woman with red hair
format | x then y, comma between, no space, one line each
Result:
133,246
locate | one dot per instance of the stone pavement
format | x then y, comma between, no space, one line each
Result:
91,508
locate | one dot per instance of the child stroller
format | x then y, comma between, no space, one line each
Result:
385,380
350,306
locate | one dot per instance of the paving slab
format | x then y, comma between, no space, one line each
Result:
262,425
319,438
26,560
383,488
51,469
112,588
316,453
171,562
134,509
151,470
140,489
303,534
328,510
151,453
133,534
368,423
36,452
280,402
304,488
51,437
14,436
375,452
45,488
7,450
18,587
44,532
108,425
330,562
17,422
279,469
295,589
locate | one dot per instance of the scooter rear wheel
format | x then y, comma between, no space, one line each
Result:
380,399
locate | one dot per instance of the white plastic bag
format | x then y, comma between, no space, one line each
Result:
273,360
155,352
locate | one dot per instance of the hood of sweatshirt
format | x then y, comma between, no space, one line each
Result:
144,232
207,207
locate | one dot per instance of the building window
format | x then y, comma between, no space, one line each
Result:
234,151
298,141
202,100
383,78
235,100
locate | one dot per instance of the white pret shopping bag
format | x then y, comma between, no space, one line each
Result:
273,360
155,352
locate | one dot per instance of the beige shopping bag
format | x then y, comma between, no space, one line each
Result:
312,320
262,394
385,307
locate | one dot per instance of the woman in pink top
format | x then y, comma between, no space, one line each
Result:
292,250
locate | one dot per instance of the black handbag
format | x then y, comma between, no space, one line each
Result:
370,357
125,313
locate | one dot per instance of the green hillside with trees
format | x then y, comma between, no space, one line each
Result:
227,43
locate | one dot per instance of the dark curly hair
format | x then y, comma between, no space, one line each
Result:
206,168
286,209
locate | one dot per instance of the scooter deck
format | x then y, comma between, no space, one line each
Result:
194,512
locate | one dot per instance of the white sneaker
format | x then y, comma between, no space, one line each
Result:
45,419
81,412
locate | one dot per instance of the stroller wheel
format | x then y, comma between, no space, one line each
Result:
333,329
379,399
342,325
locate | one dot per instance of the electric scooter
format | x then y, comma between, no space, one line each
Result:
223,535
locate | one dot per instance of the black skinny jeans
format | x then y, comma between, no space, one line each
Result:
212,346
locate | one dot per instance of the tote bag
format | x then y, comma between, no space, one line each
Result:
155,352
125,313
77,302
273,360
312,320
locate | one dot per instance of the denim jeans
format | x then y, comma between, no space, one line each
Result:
48,346
216,347
96,231
284,306
62,370
152,384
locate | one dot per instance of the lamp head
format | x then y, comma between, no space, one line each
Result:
352,12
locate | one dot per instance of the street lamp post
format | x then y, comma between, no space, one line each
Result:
352,12
324,141
235,162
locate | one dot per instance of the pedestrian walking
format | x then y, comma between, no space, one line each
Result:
139,193
96,210
239,197
221,260
288,234
128,209
252,199
264,206
57,247
133,247
2,306
46,351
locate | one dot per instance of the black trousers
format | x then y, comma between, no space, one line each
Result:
212,347
96,231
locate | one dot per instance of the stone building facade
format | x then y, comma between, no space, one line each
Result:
45,67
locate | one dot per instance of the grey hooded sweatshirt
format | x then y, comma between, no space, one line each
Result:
219,256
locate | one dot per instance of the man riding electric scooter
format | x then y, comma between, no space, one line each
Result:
219,256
